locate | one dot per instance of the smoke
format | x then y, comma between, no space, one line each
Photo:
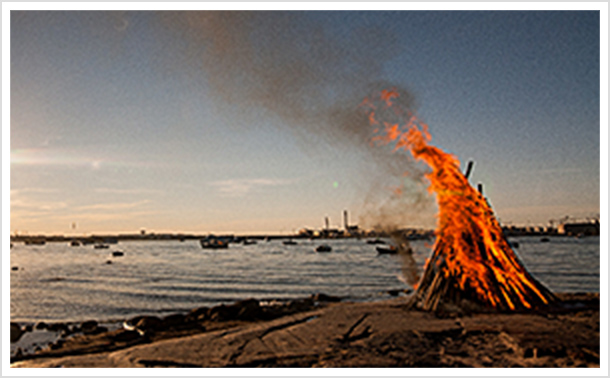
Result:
311,74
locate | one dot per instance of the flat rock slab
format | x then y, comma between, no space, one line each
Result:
378,334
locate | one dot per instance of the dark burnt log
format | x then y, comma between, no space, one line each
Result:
468,169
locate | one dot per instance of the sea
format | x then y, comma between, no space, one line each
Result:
57,282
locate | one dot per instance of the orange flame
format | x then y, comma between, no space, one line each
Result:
470,246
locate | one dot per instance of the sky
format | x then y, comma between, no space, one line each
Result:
249,121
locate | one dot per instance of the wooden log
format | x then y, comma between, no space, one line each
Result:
468,169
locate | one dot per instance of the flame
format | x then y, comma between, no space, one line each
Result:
470,248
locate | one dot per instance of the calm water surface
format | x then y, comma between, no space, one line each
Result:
58,282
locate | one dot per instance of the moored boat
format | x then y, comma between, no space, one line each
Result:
34,242
211,242
391,250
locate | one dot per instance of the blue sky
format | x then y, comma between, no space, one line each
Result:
248,121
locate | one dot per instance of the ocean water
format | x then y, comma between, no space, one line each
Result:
60,283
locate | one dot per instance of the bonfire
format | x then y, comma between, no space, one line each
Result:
472,263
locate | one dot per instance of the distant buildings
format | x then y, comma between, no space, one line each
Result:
567,228
579,228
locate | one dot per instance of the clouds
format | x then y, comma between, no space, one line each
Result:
31,201
112,207
243,187
36,209
127,191
59,157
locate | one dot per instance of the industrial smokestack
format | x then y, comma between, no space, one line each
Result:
326,222
345,223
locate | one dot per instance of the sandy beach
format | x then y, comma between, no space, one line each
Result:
320,331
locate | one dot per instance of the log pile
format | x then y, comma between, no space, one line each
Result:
472,263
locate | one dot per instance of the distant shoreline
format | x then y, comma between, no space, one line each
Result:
414,234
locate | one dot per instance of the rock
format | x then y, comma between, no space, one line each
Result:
108,261
28,328
125,335
117,253
376,334
41,325
198,314
15,268
300,305
174,320
100,330
89,326
220,313
321,297
57,327
249,309
16,332
58,344
148,323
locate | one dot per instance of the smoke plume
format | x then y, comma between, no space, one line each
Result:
313,78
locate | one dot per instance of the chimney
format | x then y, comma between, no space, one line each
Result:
326,221
345,223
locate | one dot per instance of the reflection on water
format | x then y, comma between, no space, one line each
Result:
57,282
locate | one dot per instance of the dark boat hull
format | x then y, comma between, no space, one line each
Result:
214,244
387,251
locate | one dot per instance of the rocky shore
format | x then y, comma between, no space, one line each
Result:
322,331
